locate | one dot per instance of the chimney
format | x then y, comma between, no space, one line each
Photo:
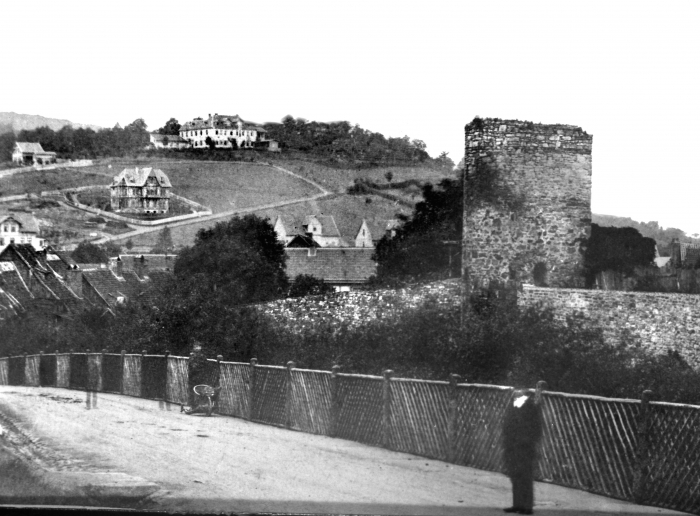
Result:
119,272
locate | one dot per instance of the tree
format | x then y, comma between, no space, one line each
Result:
87,252
210,143
389,176
427,245
306,285
171,127
129,245
164,244
616,249
444,161
239,261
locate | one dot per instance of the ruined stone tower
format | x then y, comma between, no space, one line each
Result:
527,202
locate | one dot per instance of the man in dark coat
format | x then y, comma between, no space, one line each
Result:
197,372
522,431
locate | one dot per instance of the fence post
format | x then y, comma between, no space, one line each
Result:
165,376
251,388
143,359
642,464
386,409
335,408
452,420
121,380
70,368
101,379
41,361
24,370
288,395
57,368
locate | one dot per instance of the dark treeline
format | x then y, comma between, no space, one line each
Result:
343,142
70,143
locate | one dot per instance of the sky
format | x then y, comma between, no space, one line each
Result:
624,71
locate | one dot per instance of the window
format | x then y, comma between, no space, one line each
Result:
4,228
312,251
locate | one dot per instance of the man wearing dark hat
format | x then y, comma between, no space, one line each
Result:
522,431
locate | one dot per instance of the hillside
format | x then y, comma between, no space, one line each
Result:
16,122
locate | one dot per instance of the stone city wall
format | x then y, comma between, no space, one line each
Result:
356,307
659,322
547,170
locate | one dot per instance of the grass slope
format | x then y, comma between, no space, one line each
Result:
37,181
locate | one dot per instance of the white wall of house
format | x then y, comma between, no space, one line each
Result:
11,233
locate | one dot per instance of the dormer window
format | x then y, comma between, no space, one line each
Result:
312,251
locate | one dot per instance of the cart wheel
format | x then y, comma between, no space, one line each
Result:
210,406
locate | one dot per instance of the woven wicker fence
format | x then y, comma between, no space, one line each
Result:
176,380
31,370
112,372
63,370
629,449
131,380
4,376
48,370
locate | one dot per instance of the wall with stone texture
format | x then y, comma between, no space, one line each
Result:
356,307
657,321
547,167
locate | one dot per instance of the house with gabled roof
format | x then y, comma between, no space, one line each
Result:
223,131
31,153
140,190
20,228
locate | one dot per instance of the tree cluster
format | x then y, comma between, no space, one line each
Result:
341,141
70,143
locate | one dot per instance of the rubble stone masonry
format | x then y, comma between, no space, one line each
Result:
658,322
546,167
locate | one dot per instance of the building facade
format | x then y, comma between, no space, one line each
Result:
527,205
226,132
167,141
140,190
29,153
20,228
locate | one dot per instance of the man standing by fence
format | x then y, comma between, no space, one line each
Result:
197,372
522,431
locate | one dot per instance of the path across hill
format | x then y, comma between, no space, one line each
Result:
227,214
146,454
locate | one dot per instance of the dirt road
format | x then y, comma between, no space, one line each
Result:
146,454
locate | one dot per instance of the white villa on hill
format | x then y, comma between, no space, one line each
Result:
223,130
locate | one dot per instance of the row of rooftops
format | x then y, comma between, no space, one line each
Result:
29,276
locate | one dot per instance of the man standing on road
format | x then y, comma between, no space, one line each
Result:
522,431
196,371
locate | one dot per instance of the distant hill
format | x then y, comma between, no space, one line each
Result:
15,122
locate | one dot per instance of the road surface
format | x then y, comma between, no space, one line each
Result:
131,452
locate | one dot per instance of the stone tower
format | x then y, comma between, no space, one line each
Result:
527,202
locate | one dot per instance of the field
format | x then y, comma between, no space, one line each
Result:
221,186
338,180
37,181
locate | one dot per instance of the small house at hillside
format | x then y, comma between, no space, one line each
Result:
167,141
140,190
342,268
20,228
31,153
